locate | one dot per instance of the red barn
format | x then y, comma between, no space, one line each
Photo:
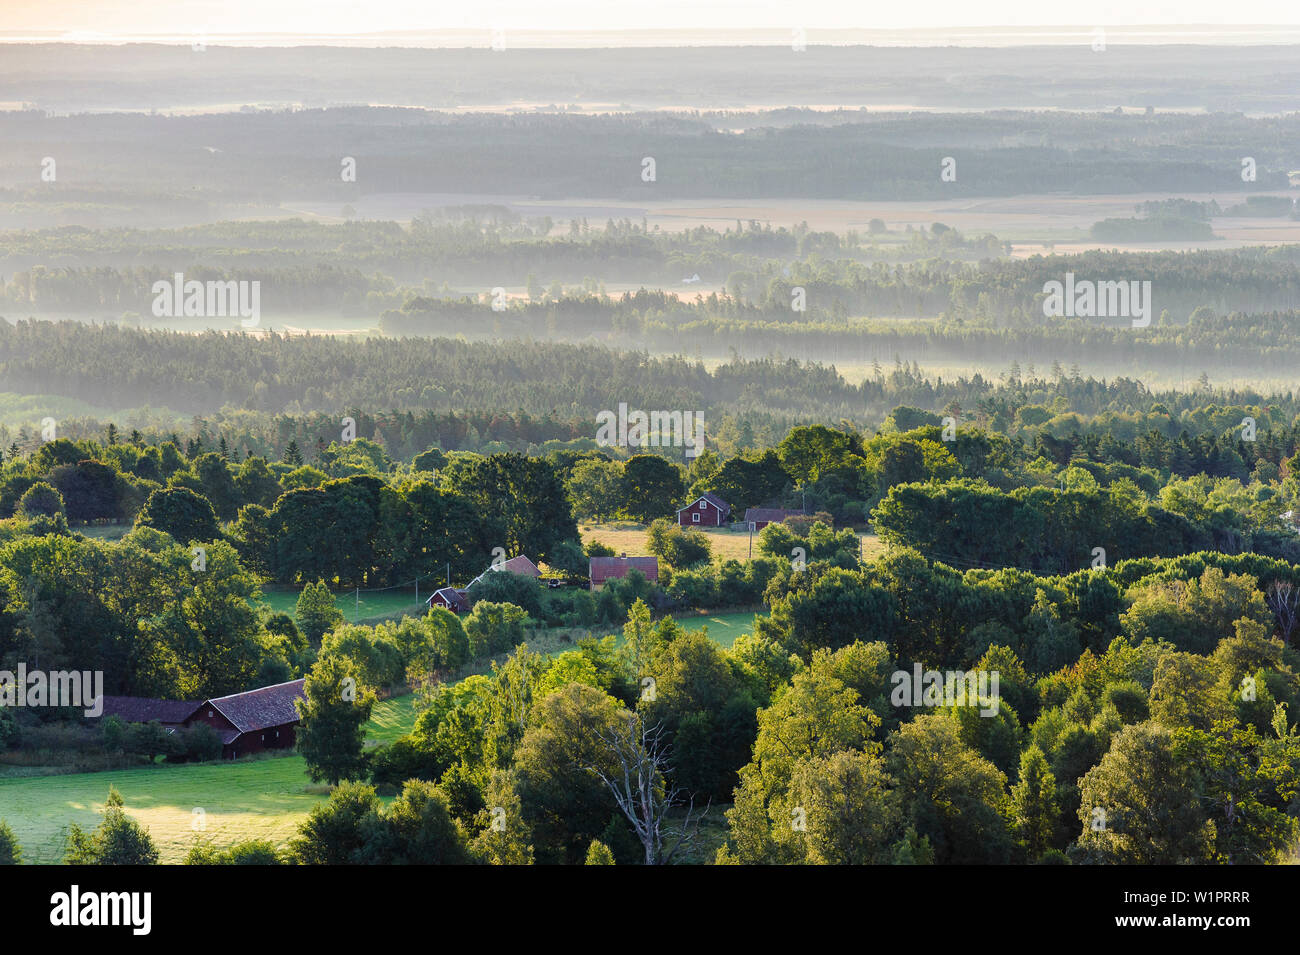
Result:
602,569
707,510
253,721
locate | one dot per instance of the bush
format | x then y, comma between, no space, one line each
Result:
10,733
694,588
676,546
11,853
151,740
200,743
568,557
801,524
40,500
118,840
504,587
400,760
495,627
252,852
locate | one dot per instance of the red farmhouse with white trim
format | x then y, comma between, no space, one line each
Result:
707,510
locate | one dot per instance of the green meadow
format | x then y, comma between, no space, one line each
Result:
373,605
264,797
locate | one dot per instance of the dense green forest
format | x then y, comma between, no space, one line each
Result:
245,382
487,245
793,292
1157,678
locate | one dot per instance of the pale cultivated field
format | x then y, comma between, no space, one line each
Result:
630,539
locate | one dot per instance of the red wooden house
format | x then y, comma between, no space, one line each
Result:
602,569
707,510
455,600
249,722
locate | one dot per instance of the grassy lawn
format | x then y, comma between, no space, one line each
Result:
373,606
104,532
259,798
249,799
630,539
723,628
390,719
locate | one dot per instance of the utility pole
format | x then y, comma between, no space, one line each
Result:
357,616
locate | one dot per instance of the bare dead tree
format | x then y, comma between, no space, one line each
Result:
638,781
1284,600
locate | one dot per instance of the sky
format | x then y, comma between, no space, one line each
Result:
424,20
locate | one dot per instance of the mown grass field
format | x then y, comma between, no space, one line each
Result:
723,628
258,798
372,606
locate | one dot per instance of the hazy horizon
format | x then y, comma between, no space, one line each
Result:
1004,35
587,23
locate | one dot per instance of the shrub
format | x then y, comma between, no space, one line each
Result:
200,743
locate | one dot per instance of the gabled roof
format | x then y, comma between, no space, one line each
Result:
521,565
712,498
451,595
603,568
142,709
515,565
260,708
